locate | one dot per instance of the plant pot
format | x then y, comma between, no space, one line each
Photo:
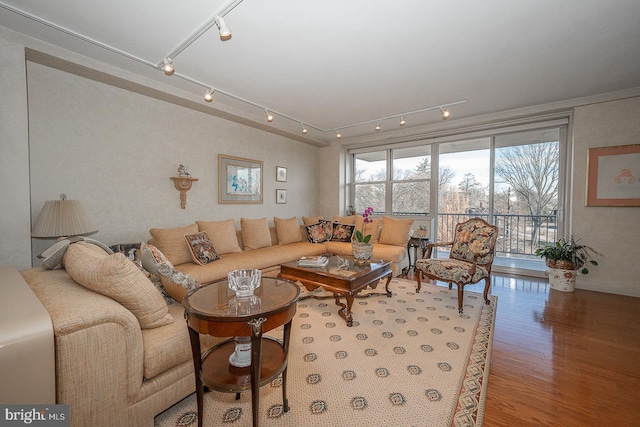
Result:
362,252
562,280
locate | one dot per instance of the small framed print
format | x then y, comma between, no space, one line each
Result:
281,174
281,196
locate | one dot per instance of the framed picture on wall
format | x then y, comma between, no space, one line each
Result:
281,196
281,174
613,176
239,180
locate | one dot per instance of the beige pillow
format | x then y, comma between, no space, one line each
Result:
120,279
351,219
170,241
311,220
255,233
222,235
395,231
287,230
372,228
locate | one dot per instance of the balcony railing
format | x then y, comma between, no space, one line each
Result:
520,235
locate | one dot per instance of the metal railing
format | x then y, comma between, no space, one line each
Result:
519,235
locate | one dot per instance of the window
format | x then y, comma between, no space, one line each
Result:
411,182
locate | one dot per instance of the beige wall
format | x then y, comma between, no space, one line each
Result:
15,246
115,150
613,231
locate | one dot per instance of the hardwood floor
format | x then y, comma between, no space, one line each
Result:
562,359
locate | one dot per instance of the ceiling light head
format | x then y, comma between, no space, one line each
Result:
402,121
167,67
379,126
225,32
338,134
445,113
209,95
269,116
304,129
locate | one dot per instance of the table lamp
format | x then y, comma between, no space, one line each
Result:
62,218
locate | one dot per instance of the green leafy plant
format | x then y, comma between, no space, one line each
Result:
366,216
569,254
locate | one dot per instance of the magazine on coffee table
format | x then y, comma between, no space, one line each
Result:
313,261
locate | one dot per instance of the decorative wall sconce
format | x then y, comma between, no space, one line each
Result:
183,184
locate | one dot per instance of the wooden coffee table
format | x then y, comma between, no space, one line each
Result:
345,281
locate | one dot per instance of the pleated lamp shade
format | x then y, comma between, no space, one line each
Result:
62,218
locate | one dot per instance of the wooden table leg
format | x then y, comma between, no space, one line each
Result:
285,344
256,361
194,337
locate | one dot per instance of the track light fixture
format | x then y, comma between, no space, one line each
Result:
445,113
225,32
378,126
402,121
209,95
167,67
338,134
269,116
304,129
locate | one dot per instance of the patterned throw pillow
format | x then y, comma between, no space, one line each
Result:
202,251
320,232
342,232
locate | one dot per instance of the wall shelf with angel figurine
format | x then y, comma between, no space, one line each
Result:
183,183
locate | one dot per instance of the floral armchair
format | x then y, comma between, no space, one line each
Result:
470,259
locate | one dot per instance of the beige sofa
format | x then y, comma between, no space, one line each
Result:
116,366
260,245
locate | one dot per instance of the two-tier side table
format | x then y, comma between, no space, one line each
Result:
210,310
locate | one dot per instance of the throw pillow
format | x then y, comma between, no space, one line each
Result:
202,251
351,219
311,220
255,233
120,279
287,230
222,235
52,257
171,242
175,283
342,232
395,231
320,232
150,256
372,228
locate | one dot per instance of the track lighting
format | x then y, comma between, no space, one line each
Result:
402,121
304,129
445,113
167,67
209,95
225,32
378,126
338,135
269,116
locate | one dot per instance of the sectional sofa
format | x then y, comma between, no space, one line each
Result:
122,352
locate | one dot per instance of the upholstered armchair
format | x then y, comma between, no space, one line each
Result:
470,259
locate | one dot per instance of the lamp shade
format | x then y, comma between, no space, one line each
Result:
62,218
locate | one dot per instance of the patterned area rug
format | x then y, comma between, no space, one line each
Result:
408,360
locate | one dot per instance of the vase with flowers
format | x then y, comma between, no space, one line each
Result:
362,249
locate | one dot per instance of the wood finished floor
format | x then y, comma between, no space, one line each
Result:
562,359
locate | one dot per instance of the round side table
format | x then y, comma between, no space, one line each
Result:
213,310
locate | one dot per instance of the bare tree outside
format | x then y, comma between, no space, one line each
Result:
531,172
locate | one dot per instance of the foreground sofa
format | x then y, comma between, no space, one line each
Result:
122,352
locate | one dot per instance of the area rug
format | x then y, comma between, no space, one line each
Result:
408,360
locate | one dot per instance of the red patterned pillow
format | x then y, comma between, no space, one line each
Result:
202,251
320,232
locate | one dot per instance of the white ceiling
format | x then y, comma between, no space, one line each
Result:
333,63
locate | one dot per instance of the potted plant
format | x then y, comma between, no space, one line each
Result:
362,249
565,258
